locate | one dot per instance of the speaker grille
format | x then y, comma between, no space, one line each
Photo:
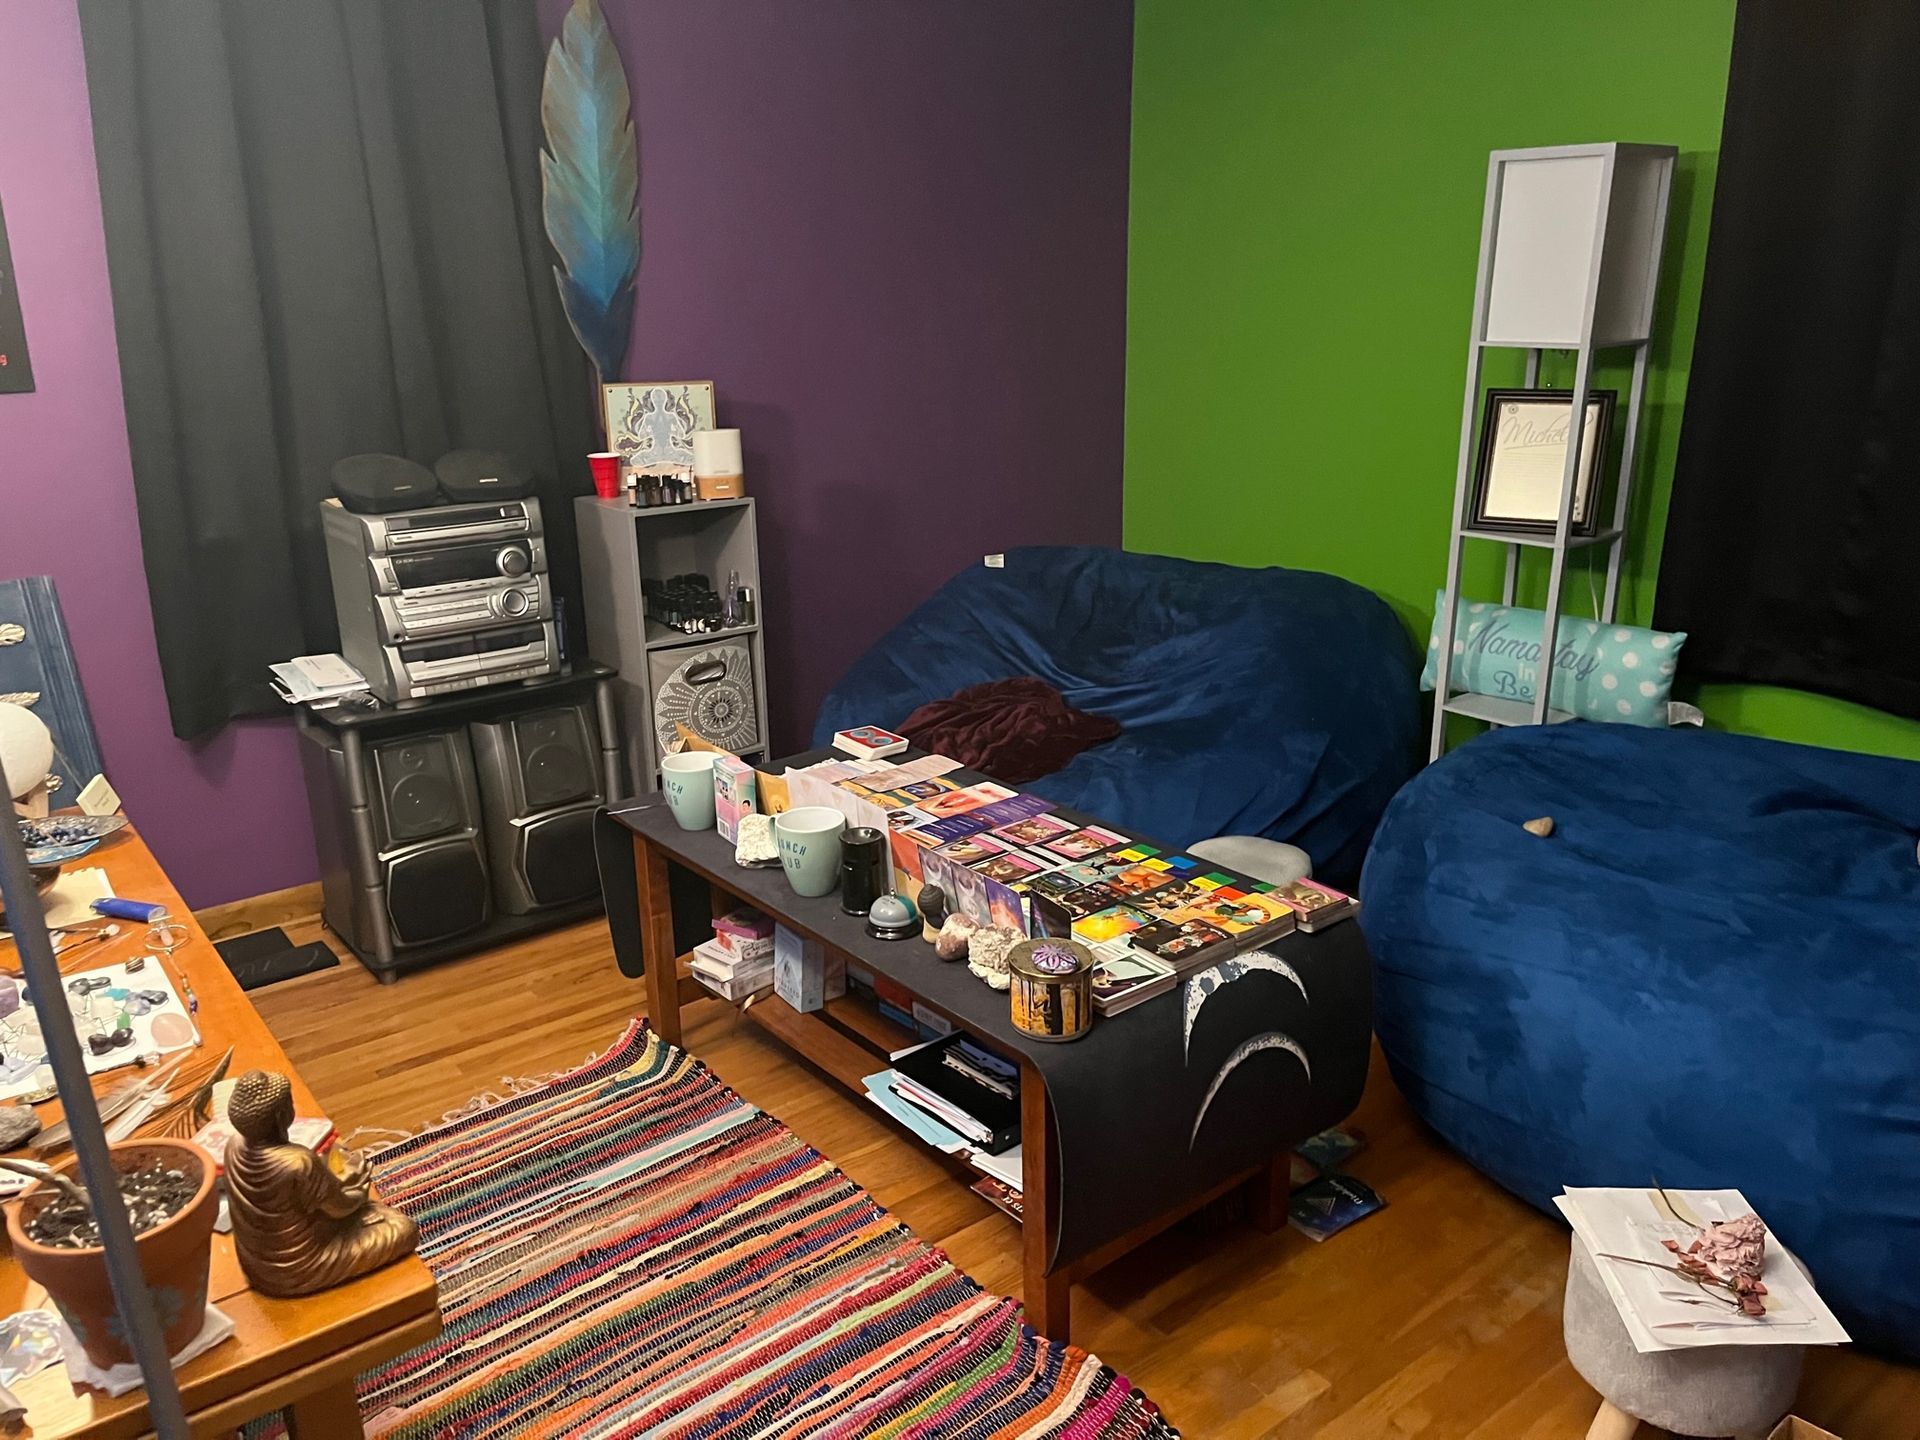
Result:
418,793
437,892
557,858
556,758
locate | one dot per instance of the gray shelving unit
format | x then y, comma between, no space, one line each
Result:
1570,245
620,546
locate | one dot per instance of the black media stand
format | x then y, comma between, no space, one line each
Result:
465,821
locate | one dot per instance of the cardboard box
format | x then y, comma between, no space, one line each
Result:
1794,1428
805,975
734,795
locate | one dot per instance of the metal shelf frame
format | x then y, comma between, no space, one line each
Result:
1584,344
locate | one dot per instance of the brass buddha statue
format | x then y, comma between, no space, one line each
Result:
298,1226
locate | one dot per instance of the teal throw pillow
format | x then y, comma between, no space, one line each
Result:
1616,673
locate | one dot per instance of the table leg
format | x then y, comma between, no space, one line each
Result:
1610,1422
1046,1291
656,939
329,1414
1268,1192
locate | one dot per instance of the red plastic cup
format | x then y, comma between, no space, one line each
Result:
606,474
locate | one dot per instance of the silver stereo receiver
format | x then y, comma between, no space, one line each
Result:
442,599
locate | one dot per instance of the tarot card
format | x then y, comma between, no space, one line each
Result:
1067,879
1009,868
1109,924
949,803
1079,844
972,849
1035,830
1179,942
1138,880
1237,913
1089,898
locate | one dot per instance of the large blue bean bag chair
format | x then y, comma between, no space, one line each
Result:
1252,702
1708,973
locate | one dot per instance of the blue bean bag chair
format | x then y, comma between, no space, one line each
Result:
1709,973
1252,702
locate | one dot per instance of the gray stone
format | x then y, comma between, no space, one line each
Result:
18,1124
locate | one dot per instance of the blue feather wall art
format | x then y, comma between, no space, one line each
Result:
590,185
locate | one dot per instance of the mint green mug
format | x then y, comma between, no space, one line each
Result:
687,780
809,843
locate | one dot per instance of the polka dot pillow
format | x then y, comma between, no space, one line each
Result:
1618,673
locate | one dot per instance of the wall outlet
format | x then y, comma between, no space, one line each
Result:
996,562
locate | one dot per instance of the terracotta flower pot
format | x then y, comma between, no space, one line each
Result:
174,1256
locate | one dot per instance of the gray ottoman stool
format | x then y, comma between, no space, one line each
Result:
1738,1390
1273,861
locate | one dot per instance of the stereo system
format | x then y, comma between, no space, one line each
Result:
445,837
448,598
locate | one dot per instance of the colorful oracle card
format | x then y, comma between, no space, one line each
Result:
1089,898
1238,913
972,849
1108,924
1079,844
1066,880
1138,880
1035,830
1008,867
1179,943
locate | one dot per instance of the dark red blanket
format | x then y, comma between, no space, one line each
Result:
1015,730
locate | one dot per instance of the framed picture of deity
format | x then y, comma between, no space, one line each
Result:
651,423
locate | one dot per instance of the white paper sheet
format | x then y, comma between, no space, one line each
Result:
1660,1309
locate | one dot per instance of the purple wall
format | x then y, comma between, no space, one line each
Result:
894,236
228,817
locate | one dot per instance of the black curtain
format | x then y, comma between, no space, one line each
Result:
1790,550
323,228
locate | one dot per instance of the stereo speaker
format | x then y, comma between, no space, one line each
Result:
469,476
539,787
426,815
377,484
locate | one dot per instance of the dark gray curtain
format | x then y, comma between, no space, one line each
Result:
323,228
1790,543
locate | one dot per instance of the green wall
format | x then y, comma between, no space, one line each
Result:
1307,183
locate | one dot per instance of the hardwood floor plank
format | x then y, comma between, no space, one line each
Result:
1440,1317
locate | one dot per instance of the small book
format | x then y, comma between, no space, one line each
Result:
1125,980
1328,1205
1316,906
868,742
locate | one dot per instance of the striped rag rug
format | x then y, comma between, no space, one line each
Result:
633,1250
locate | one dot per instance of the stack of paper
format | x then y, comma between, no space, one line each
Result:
318,681
1623,1229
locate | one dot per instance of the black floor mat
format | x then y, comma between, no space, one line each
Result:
267,955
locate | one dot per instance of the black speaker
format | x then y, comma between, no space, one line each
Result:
466,476
426,813
376,484
539,786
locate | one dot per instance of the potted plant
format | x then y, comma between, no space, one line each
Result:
168,1188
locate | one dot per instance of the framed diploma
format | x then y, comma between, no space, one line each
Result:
1523,456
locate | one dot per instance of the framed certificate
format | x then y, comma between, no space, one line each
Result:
1523,456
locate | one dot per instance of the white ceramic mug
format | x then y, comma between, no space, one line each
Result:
809,843
687,779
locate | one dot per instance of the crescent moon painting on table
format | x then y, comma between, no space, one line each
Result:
1203,987
1267,1040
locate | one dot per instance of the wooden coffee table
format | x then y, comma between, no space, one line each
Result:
299,1354
679,880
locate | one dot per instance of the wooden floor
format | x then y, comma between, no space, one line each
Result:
1439,1317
